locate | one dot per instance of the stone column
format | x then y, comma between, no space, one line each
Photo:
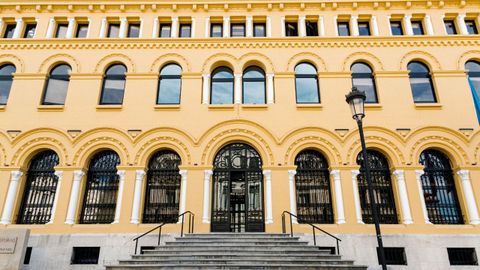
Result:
206,89
51,28
469,197
206,196
59,175
461,24
354,25
418,175
373,21
2,24
321,26
268,183
174,32
183,191
207,27
192,29
139,174
226,26
270,94
18,28
340,215
238,89
428,25
140,31
407,22
118,208
70,28
282,20
291,189
301,26
89,27
268,25
122,32
402,190
155,30
72,204
103,28
249,26
356,197
12,193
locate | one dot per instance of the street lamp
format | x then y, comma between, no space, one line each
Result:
356,100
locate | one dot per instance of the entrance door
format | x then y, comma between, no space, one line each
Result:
237,203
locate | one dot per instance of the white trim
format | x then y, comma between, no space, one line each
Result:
291,189
321,26
428,25
226,26
122,32
418,176
402,191
206,89
10,200
103,28
174,32
461,24
301,26
354,25
237,93
59,175
249,26
356,197
155,31
72,204
70,28
268,183
407,22
206,196
118,208
50,28
183,192
18,28
469,197
374,23
137,193
337,184
270,85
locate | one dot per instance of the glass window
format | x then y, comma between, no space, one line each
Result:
222,86
113,30
113,85
9,29
343,29
237,30
6,79
133,30
82,30
216,30
473,71
396,28
259,30
450,27
291,29
364,29
185,30
169,84
254,86
165,30
417,27
362,78
306,84
61,31
471,27
30,30
421,83
311,28
57,85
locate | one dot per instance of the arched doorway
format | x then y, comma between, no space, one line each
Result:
237,203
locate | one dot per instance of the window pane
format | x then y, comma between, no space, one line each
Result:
30,31
223,74
133,30
472,66
5,86
113,30
259,30
422,90
9,29
116,70
61,31
171,69
343,29
366,85
363,29
312,28
253,74
416,67
396,28
216,30
254,92
361,68
82,30
417,28
291,29
165,30
169,91
305,68
56,92
185,30
238,30
471,27
7,70
113,91
307,91
222,92
450,27
61,70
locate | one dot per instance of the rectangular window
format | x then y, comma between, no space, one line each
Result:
9,29
462,256
364,29
82,30
311,28
85,255
216,30
417,28
28,255
343,29
450,27
291,29
471,27
237,30
185,30
259,30
113,30
30,30
396,28
165,30
394,255
133,30
61,30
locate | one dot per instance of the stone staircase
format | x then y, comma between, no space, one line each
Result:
236,251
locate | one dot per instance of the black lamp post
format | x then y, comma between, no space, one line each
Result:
356,100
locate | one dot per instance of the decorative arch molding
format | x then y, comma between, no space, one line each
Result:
170,58
377,131
89,148
387,147
168,131
46,132
312,58
13,59
467,56
256,59
55,59
119,58
368,58
442,130
317,130
452,149
421,56
3,155
103,131
317,143
220,59
29,148
155,144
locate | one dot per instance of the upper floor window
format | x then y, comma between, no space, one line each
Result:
113,30
30,29
165,30
417,28
364,28
82,30
450,27
113,85
259,30
185,30
254,86
343,29
306,84
169,84
61,30
473,71
9,30
421,83
222,86
133,30
6,79
471,27
396,28
291,29
216,30
57,85
363,79
237,30
312,28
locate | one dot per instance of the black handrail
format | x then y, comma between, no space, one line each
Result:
191,223
284,230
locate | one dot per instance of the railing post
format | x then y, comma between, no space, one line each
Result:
283,224
193,224
136,245
291,227
159,234
183,220
338,248
314,237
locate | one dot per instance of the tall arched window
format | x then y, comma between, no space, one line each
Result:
57,85
40,189
382,188
312,182
306,84
421,83
6,79
113,85
473,71
169,84
162,196
100,199
222,86
438,187
362,78
254,86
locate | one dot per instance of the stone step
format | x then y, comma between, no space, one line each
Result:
229,234
253,261
214,238
238,243
239,266
251,255
236,248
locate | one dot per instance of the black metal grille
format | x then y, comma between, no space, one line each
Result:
439,190
40,188
237,203
312,182
462,256
100,197
85,255
394,255
382,189
162,195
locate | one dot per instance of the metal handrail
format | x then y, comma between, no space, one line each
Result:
191,223
284,230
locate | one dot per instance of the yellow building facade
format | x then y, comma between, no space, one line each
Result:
210,46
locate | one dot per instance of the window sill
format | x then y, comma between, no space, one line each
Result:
167,107
220,107
109,107
253,107
2,108
373,107
316,106
50,108
427,106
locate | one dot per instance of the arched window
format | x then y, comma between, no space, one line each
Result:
362,78
473,71
100,199
40,189
312,182
6,79
57,85
254,86
222,86
169,84
113,85
382,189
438,187
421,83
162,196
306,84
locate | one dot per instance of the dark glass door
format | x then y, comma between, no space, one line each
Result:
237,202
